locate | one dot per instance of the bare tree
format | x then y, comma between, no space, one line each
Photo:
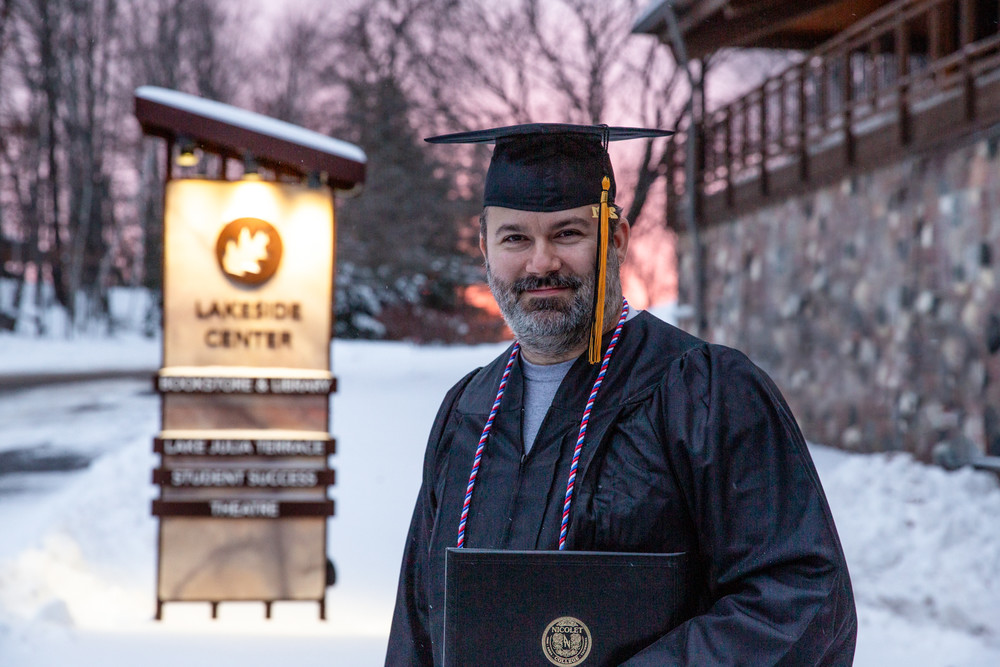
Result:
382,74
572,61
67,160
187,45
296,82
7,243
575,61
62,75
411,67
401,240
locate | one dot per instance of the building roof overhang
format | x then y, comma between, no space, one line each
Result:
235,133
710,25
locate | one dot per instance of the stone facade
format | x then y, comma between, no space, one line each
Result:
873,304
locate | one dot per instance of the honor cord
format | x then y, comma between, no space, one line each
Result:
571,483
564,527
482,443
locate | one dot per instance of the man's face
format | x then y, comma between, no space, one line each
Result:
540,268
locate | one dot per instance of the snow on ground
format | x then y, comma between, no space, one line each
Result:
77,556
923,548
126,351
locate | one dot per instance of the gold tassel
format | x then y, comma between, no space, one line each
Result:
597,332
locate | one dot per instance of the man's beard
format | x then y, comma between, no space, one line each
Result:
555,325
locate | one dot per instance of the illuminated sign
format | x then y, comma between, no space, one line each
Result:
247,312
245,380
278,478
236,446
168,383
242,509
248,271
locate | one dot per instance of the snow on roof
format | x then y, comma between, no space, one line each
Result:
249,121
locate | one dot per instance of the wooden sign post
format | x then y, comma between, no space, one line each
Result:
245,382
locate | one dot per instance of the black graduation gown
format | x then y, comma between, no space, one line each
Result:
691,448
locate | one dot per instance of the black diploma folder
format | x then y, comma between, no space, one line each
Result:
569,608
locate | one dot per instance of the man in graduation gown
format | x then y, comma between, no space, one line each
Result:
689,447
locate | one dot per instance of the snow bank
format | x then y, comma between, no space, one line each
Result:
122,352
93,565
921,543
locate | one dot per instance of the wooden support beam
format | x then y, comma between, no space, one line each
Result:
934,24
847,98
728,120
671,161
170,160
902,39
782,138
822,96
967,22
803,124
874,53
745,143
765,187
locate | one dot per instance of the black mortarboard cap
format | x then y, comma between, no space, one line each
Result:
548,166
545,167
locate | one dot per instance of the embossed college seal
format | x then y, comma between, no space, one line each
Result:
566,641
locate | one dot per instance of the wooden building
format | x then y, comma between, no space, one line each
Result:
848,212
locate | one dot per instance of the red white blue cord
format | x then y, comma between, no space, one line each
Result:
564,527
579,440
482,444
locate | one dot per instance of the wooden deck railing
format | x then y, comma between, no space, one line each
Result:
876,74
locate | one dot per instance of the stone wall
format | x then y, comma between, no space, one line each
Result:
873,304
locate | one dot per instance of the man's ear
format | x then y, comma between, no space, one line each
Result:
623,231
482,246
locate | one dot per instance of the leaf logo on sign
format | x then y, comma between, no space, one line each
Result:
249,251
245,254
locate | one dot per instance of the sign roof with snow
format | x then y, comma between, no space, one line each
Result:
234,132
